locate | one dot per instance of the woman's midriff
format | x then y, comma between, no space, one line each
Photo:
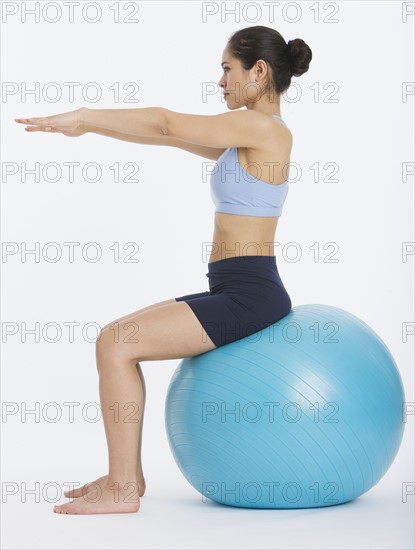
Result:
236,235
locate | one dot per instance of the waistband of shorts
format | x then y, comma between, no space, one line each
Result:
259,261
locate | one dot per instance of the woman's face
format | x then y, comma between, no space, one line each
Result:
239,85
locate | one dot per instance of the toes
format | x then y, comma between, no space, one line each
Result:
61,509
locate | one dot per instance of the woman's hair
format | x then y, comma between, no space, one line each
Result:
284,59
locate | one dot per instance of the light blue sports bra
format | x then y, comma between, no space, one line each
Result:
235,191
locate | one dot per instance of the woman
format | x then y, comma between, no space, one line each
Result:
249,184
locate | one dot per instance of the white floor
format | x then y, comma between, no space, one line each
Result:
175,517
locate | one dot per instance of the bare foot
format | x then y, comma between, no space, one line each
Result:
101,481
110,498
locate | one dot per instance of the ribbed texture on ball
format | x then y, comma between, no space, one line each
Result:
305,413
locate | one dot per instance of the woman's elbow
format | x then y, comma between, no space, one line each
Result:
164,124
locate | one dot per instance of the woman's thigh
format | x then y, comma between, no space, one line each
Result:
169,331
135,313
157,304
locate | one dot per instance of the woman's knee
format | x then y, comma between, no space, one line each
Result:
117,340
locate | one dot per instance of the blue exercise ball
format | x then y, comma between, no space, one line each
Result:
302,414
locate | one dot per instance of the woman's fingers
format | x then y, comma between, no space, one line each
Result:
36,121
37,124
29,120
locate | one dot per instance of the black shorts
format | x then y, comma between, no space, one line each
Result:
245,296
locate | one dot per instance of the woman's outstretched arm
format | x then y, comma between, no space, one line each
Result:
241,128
106,121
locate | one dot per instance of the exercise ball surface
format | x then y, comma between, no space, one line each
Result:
305,413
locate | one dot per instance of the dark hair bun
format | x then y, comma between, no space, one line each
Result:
299,55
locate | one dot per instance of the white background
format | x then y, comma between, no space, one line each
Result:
348,111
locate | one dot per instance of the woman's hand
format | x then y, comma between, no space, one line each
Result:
69,124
